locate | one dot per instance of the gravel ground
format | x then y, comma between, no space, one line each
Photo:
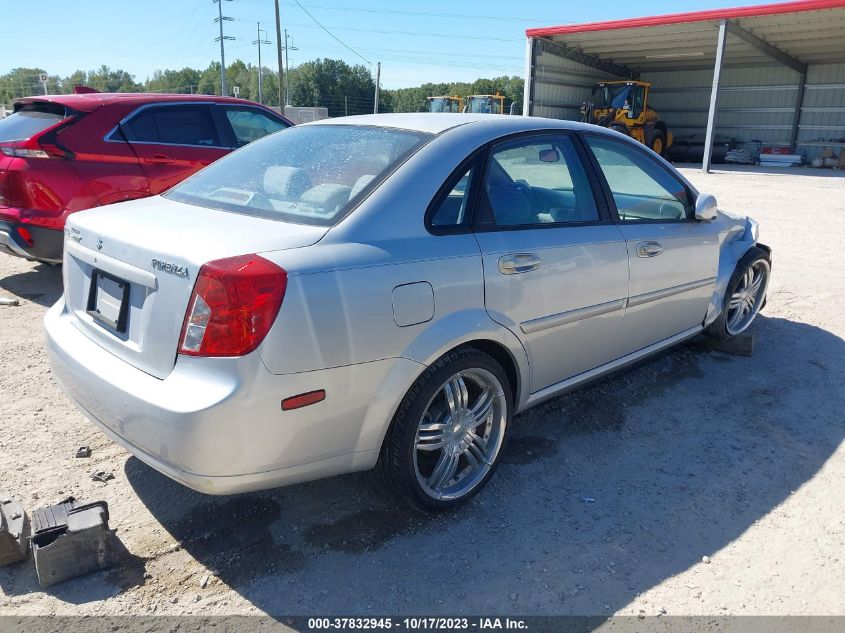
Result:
609,499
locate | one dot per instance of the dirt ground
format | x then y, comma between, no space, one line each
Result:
607,502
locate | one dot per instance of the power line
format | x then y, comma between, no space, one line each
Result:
449,36
431,14
335,37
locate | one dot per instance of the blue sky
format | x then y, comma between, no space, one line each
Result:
435,40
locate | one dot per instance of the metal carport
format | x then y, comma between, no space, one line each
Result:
772,73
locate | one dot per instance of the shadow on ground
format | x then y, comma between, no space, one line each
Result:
41,285
603,493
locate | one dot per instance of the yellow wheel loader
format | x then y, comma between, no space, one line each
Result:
445,104
485,104
623,106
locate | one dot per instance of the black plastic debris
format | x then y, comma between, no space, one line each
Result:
70,539
83,451
13,541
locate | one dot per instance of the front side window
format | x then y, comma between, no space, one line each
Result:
172,125
641,188
536,181
250,125
309,175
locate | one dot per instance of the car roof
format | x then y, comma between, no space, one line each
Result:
90,101
438,123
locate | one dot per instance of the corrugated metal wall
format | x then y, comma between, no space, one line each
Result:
823,114
561,85
755,104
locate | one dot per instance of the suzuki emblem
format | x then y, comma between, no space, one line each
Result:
99,243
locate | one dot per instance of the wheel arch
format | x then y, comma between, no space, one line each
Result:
495,340
501,355
732,255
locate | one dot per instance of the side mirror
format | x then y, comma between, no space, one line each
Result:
549,155
706,208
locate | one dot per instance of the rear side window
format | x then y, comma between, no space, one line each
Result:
451,207
173,125
28,121
250,125
538,180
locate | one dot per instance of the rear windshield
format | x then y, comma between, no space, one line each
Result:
307,175
29,120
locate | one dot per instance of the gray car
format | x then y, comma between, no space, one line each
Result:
386,291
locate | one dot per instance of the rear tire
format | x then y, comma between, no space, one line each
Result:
745,295
448,435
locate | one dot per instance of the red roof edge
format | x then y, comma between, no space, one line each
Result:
693,16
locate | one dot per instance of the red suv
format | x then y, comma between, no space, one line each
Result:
66,153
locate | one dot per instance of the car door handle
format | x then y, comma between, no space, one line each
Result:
158,159
519,263
649,249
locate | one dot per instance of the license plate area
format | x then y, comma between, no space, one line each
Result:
108,300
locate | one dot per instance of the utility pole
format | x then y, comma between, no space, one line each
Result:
288,47
283,88
345,105
259,42
220,19
378,79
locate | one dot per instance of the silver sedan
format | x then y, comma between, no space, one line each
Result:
386,291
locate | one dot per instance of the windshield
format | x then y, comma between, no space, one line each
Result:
484,105
438,105
614,96
308,175
28,121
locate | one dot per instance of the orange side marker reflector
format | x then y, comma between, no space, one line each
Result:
303,400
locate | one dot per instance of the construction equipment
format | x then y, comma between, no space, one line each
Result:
14,541
623,106
446,103
70,539
485,104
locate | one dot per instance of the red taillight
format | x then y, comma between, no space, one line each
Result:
26,236
233,306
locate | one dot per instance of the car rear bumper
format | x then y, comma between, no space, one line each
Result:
47,244
216,424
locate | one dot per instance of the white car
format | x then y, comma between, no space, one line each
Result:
386,289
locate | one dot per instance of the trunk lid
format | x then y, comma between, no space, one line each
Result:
146,254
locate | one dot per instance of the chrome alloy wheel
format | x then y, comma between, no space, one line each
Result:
460,434
748,297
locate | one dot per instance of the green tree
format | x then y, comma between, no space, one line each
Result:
209,82
333,84
183,81
25,82
78,78
105,79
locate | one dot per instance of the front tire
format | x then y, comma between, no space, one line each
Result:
449,432
658,143
745,295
